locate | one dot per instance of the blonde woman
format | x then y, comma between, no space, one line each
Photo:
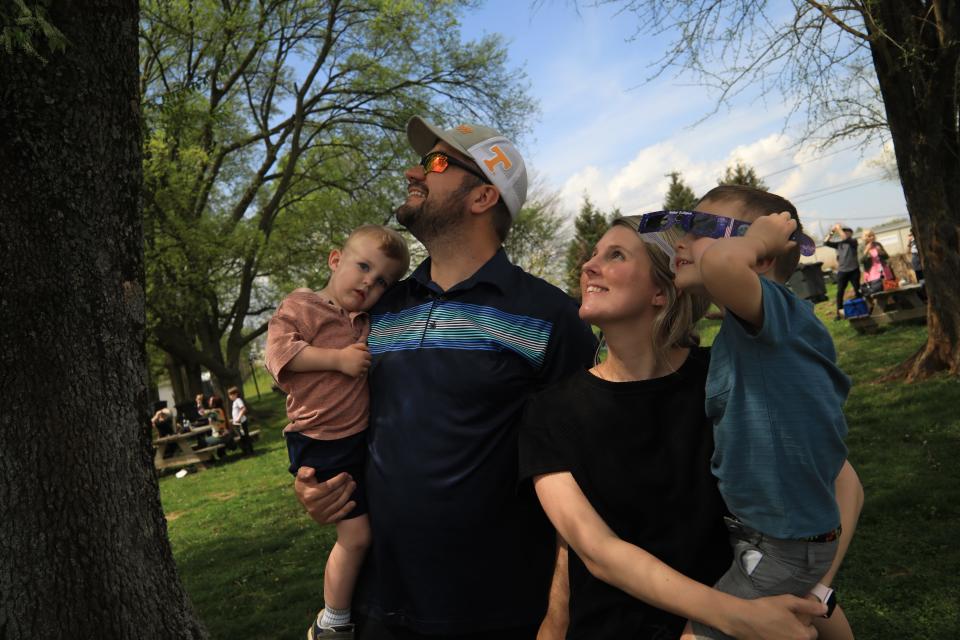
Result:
620,460
874,261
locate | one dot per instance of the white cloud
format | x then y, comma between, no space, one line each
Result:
761,153
605,133
827,185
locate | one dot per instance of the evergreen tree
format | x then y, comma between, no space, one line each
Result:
679,195
589,226
536,242
742,173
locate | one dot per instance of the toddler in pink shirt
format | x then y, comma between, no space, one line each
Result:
317,352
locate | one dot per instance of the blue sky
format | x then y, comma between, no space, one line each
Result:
603,131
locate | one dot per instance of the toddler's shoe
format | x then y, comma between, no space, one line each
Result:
338,632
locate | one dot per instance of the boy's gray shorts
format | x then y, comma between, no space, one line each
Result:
765,566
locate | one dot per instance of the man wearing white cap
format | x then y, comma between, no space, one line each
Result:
458,550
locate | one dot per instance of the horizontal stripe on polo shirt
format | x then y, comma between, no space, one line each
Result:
443,324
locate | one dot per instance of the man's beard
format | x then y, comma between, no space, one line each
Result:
430,219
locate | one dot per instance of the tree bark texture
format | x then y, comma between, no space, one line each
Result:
83,540
916,54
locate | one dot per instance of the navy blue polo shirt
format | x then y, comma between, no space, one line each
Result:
456,546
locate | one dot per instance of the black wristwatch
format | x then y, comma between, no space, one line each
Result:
827,596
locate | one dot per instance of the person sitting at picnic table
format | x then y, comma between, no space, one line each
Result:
162,420
222,430
875,267
201,402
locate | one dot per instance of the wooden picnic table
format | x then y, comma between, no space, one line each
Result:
903,304
185,454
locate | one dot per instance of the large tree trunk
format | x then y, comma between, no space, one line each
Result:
185,379
178,379
181,346
916,60
83,540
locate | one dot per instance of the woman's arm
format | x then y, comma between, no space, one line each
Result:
643,576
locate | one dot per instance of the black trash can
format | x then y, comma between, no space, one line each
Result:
807,282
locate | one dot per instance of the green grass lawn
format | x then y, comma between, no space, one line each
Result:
250,558
252,561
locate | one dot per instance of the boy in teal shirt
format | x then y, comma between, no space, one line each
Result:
774,392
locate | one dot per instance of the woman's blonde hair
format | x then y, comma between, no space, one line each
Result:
675,325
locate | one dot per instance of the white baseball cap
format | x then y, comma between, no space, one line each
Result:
494,155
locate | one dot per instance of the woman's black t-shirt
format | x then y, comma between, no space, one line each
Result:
640,452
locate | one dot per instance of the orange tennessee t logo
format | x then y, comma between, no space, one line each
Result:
499,157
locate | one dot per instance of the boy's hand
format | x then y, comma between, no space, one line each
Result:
773,233
355,359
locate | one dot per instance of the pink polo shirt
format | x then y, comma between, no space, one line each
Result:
326,405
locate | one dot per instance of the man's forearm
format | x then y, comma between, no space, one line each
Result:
555,623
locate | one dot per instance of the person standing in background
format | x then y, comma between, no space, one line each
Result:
848,269
915,257
874,259
238,411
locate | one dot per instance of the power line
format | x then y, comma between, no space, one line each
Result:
837,188
889,216
840,185
814,159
